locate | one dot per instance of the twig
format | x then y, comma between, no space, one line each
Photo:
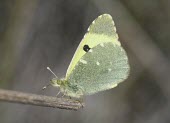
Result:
39,100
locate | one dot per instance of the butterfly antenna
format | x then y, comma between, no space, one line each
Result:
49,83
52,72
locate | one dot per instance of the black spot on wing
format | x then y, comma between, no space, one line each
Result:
86,48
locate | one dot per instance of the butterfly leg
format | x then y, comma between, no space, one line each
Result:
63,95
58,93
81,100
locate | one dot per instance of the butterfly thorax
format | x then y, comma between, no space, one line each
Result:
67,88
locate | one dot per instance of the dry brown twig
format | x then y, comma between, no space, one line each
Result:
39,100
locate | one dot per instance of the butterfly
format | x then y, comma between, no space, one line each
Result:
99,63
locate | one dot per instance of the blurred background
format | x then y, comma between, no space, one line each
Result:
35,34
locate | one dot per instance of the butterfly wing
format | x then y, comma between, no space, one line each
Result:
101,30
102,69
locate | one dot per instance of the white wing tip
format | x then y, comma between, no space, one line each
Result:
107,15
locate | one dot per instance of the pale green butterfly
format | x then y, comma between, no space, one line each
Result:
99,63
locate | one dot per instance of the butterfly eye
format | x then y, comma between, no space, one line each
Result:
86,48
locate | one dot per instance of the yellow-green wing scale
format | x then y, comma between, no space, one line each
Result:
101,30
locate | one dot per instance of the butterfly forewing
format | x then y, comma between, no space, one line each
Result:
101,30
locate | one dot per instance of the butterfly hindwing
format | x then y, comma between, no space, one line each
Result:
102,68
